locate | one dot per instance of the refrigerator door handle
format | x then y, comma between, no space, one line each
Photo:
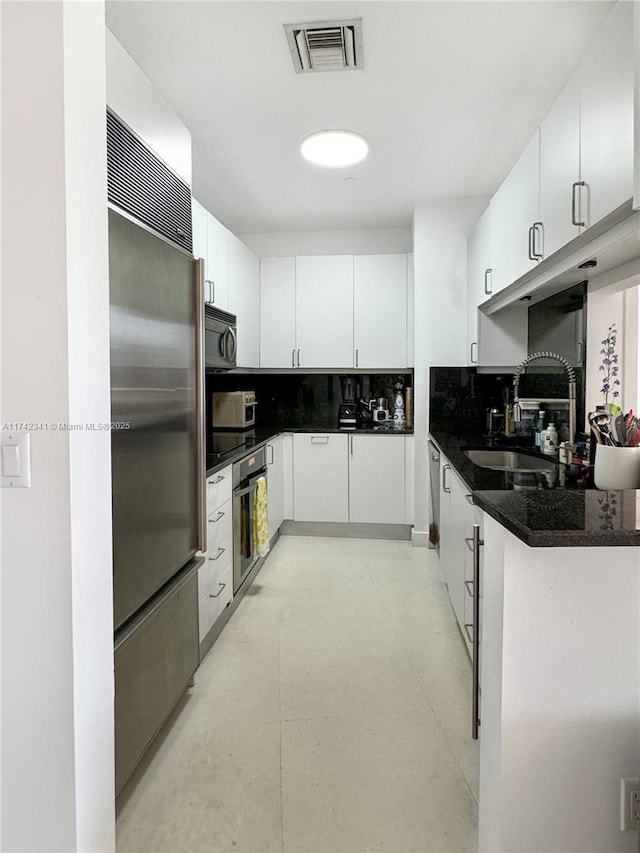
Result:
201,480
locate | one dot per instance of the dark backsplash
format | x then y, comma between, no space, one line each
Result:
460,396
300,400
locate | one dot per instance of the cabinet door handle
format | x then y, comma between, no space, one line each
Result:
218,555
351,444
445,487
298,365
475,694
217,518
574,204
469,499
469,587
531,255
435,457
538,229
319,439
468,627
293,357
488,281
217,480
270,446
471,358
222,586
356,357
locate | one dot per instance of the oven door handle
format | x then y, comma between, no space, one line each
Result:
253,485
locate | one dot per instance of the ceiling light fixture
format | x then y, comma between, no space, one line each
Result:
334,148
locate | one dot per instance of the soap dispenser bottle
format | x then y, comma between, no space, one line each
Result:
550,439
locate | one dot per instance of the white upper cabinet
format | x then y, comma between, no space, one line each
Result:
560,169
606,133
479,278
199,228
244,299
217,263
380,310
278,312
518,242
324,311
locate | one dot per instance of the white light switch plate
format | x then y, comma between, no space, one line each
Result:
15,460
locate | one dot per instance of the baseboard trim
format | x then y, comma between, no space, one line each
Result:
346,530
420,538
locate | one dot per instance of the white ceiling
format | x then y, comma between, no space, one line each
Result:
450,94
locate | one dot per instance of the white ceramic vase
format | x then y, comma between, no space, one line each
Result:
617,467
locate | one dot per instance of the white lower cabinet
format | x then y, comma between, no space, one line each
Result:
340,477
456,519
275,484
215,576
377,479
320,477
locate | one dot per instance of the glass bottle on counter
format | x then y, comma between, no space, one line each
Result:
539,429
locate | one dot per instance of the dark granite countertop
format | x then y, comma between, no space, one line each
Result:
546,516
260,436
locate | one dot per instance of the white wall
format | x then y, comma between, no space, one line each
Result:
613,298
56,602
375,242
133,98
440,230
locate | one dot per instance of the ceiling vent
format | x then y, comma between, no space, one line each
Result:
326,45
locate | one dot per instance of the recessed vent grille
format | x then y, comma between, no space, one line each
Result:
326,45
139,183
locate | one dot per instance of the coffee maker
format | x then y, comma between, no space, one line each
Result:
348,409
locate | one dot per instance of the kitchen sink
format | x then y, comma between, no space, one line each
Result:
508,460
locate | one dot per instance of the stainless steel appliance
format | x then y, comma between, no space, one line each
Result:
379,409
157,458
245,476
220,339
434,487
233,409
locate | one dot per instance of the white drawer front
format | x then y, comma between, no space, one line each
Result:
213,602
219,527
219,488
218,562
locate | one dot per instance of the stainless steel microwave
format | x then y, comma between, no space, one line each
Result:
220,339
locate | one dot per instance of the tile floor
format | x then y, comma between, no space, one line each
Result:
332,714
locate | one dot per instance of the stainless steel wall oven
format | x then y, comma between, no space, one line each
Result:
246,474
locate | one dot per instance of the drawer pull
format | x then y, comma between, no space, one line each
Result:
219,592
219,554
468,585
216,481
319,439
217,518
469,499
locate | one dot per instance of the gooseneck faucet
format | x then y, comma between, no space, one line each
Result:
571,399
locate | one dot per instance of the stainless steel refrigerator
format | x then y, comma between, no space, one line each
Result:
157,477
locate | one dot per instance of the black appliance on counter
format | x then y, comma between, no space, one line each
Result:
348,409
